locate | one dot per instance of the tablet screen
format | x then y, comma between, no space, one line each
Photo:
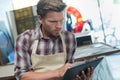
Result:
75,70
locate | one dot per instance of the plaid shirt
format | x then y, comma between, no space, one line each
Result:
23,48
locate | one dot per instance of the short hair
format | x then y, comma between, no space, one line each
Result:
45,6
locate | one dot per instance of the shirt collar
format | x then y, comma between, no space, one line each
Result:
38,33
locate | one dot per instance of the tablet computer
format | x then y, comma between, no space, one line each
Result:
75,69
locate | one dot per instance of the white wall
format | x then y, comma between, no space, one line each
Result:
5,6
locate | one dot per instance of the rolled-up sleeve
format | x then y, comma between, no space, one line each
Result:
22,56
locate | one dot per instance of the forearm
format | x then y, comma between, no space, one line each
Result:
50,75
40,75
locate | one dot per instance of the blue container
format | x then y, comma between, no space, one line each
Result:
11,57
5,45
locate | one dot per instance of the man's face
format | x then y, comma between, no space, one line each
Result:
52,23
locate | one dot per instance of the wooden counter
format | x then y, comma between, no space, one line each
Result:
93,51
7,72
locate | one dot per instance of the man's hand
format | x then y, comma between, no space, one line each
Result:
63,69
85,75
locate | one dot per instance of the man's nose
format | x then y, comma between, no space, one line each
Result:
59,24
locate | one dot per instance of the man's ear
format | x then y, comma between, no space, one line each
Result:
39,18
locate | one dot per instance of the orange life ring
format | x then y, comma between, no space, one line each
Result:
76,13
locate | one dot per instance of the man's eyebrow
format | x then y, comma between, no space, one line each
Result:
55,20
52,20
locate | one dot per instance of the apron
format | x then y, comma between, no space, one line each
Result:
44,63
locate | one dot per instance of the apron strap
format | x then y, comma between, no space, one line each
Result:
63,43
35,44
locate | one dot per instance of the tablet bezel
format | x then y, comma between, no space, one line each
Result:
75,70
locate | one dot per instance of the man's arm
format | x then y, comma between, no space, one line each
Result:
46,75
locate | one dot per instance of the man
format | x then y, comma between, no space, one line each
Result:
46,52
